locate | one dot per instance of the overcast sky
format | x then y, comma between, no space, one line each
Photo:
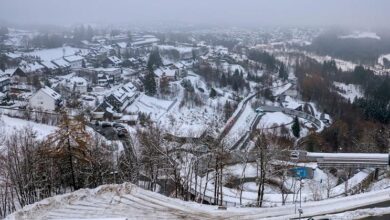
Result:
365,13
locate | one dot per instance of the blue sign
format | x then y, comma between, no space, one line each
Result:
300,172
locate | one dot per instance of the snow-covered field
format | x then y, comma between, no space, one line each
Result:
349,92
55,53
274,119
154,107
9,125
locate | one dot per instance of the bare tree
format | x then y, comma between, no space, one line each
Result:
263,154
69,142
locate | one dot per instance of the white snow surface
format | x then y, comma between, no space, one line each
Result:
55,53
272,119
242,125
349,91
380,59
10,125
131,202
360,35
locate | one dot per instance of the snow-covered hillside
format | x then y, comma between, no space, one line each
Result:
361,35
349,91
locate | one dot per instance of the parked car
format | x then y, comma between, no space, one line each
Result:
106,124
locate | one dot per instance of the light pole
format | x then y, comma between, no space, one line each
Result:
300,192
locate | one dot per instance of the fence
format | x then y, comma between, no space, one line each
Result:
48,118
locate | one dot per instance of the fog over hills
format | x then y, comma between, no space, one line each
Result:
360,13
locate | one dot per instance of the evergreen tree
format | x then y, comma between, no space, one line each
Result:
83,64
150,84
228,110
296,128
213,93
154,60
282,72
223,80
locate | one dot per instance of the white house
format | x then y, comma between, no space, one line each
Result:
79,84
170,72
75,61
112,61
45,99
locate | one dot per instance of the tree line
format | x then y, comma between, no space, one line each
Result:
357,126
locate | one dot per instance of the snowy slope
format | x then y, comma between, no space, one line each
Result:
349,91
9,125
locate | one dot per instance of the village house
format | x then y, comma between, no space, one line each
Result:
169,73
5,82
63,65
102,79
45,99
77,84
112,61
113,74
50,67
123,96
121,47
75,61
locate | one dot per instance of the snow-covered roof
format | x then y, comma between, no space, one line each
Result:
127,90
122,44
79,81
129,118
31,67
165,71
53,94
106,70
73,58
145,41
8,72
3,77
49,65
61,62
181,49
114,59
